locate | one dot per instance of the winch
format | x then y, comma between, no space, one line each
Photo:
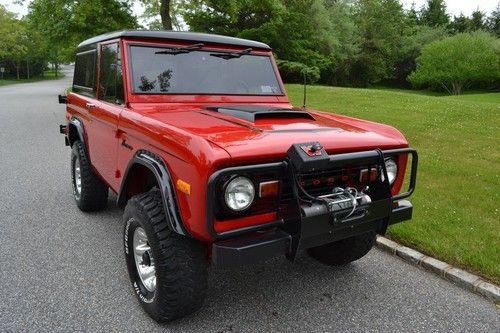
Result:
344,202
341,203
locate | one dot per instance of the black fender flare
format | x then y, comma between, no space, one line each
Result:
156,165
78,124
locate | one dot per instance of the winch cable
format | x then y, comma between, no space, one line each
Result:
347,191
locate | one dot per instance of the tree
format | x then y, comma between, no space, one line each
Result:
52,19
382,25
94,17
494,22
412,48
434,14
412,15
460,24
168,12
456,62
232,17
22,50
347,48
297,30
166,20
6,20
63,24
477,21
13,38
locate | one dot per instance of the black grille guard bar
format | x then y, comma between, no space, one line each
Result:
413,170
371,156
338,160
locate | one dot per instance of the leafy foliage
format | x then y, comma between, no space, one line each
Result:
382,27
411,49
162,14
338,42
456,62
350,42
494,22
294,72
317,33
65,23
477,21
460,24
21,49
434,14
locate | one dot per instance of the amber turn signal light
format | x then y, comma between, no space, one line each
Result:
363,175
183,186
269,189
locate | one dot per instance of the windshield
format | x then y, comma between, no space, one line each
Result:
161,70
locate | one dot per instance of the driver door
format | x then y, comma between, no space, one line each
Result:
103,141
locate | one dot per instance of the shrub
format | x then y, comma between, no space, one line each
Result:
455,63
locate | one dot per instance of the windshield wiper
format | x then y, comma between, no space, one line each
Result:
231,55
181,49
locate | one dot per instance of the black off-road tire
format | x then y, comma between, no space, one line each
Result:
344,251
180,262
93,193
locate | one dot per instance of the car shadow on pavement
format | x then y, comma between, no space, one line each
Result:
273,295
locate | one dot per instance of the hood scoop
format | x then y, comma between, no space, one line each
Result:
253,113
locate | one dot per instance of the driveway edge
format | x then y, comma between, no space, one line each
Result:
458,276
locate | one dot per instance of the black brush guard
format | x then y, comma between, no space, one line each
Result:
304,225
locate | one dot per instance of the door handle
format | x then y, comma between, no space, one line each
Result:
90,105
126,145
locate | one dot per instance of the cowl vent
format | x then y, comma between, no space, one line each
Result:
253,113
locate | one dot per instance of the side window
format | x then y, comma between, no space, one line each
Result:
111,85
85,68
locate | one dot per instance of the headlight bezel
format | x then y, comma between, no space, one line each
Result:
227,185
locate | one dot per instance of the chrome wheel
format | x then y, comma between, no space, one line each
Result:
78,176
144,261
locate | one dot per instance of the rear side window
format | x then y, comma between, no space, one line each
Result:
111,78
85,68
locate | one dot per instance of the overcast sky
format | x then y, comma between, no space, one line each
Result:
455,7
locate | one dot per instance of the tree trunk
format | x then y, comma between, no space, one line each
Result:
166,20
457,87
28,68
17,69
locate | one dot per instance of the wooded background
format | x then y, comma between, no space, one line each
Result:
336,42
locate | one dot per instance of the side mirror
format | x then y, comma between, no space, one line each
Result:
63,99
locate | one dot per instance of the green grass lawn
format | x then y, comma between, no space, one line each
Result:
456,217
47,75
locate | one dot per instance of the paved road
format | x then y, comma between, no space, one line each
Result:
63,270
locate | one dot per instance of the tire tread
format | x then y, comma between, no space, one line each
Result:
94,193
181,263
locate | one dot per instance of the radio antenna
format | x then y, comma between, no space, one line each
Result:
305,89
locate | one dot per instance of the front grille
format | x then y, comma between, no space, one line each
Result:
323,182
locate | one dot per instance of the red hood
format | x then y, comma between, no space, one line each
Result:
270,137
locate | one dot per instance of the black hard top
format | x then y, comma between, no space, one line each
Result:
173,35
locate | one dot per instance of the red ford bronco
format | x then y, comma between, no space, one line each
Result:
196,136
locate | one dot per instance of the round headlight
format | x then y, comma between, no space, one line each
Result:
392,170
239,193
